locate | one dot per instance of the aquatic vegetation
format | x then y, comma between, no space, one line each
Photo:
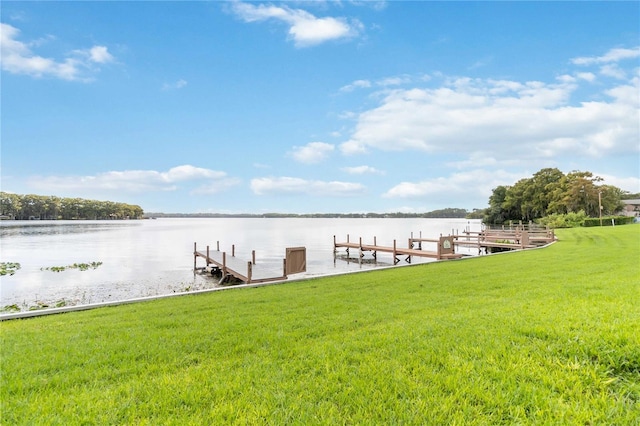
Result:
9,268
46,305
80,266
10,308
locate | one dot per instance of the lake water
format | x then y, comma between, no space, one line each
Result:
155,257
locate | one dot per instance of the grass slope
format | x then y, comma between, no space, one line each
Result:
538,337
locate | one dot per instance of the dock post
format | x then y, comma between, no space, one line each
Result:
375,243
395,255
195,257
233,250
218,245
253,257
284,268
249,272
207,255
224,263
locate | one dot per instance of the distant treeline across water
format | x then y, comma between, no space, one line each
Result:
49,207
449,213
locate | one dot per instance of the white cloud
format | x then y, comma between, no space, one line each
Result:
626,93
17,58
100,55
610,62
304,28
296,186
613,55
474,185
188,172
481,63
358,84
510,119
129,180
174,86
216,187
361,170
477,159
385,82
588,76
313,152
629,184
394,81
613,70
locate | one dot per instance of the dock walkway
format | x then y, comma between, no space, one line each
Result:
489,240
445,251
230,266
506,239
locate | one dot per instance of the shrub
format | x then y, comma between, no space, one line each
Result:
568,220
608,221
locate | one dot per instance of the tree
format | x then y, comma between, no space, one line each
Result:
610,198
50,207
540,189
10,205
477,214
550,192
582,193
496,213
514,201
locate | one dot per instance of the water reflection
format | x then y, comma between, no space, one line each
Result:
20,228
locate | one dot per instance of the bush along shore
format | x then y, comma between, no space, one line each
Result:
546,336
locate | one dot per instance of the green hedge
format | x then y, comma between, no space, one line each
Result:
608,221
568,220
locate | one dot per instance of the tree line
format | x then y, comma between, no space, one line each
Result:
442,213
44,207
550,192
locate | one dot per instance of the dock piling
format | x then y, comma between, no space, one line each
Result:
284,268
224,263
195,257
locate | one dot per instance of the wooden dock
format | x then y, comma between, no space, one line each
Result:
517,238
444,249
229,266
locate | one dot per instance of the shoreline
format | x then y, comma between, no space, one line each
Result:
89,306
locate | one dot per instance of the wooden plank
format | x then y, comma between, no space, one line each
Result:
428,240
245,271
390,249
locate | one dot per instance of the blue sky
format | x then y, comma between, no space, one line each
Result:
301,107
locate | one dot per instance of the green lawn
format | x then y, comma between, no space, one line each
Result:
549,336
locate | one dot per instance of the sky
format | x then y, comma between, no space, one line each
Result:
314,106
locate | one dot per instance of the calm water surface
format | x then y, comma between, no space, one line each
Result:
154,257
